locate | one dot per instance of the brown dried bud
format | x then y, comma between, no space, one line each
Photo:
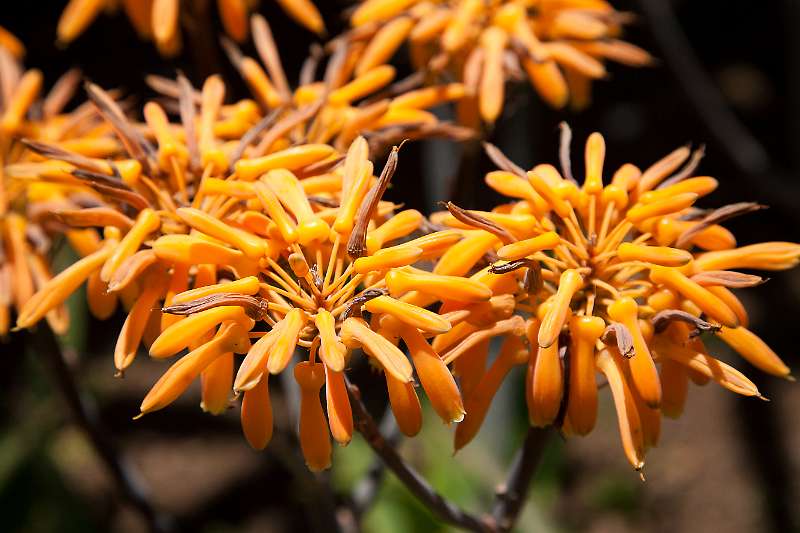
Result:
616,333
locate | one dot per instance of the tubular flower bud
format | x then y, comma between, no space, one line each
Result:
582,403
284,345
435,377
409,314
700,296
180,334
340,414
332,350
754,350
405,405
630,426
181,374
257,415
643,370
315,439
556,316
520,249
355,332
56,291
657,255
546,384
441,287
216,382
251,245
387,258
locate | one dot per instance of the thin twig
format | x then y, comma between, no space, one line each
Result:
352,508
84,413
414,482
511,496
366,491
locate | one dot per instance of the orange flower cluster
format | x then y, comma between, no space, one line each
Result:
159,20
207,248
625,278
560,44
26,222
348,101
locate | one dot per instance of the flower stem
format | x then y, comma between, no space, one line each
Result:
414,482
511,496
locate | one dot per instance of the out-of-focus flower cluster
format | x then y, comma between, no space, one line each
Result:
26,222
161,20
560,45
622,277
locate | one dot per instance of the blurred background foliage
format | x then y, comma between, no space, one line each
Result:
730,464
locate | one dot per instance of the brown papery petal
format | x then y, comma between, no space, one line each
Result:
727,278
662,319
715,217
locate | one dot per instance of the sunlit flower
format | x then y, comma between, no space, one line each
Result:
561,45
623,276
160,20
209,248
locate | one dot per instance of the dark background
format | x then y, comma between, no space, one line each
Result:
730,464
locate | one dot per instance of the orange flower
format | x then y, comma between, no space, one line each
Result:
293,249
622,276
560,45
27,223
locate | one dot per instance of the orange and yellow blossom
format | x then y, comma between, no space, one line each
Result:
221,254
624,277
30,116
561,46
334,101
160,20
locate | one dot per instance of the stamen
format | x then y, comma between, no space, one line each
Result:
331,260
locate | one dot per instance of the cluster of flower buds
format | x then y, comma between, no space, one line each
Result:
208,246
561,45
161,20
625,279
